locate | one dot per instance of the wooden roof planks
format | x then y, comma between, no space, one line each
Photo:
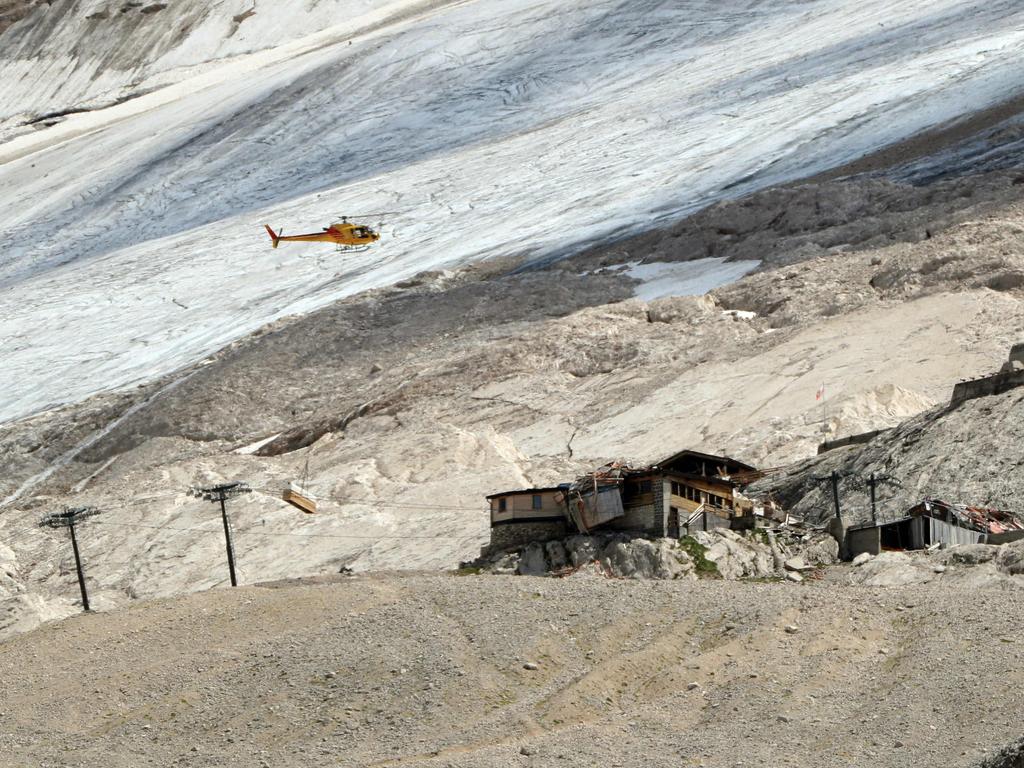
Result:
300,499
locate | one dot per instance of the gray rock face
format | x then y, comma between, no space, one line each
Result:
616,555
1010,756
791,224
643,559
20,611
1011,558
823,550
934,455
894,569
970,554
533,561
735,556
556,555
975,566
507,564
582,549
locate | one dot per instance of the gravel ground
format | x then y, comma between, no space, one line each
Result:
432,670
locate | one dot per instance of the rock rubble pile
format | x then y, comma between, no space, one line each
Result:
717,554
974,565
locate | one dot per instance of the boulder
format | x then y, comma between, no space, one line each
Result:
893,569
969,554
506,564
557,557
737,557
1011,558
862,558
582,549
822,550
644,559
533,562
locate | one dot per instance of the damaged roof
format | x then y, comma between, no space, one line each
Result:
978,518
732,466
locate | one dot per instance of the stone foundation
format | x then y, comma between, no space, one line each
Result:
518,534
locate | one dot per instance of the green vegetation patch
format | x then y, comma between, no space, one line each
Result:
698,554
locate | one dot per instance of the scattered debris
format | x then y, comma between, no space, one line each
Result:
712,554
974,518
933,524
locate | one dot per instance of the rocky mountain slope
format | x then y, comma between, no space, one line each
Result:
403,407
970,453
620,229
423,389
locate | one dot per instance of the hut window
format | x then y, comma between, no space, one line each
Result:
645,486
501,505
537,502
686,492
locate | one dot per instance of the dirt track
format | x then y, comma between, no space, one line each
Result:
429,670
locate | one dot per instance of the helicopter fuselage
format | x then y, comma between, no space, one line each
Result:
344,234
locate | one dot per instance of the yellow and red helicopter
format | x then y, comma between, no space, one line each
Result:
347,236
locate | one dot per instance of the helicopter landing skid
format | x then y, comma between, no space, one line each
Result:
353,248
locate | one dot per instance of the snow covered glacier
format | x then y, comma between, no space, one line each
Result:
130,235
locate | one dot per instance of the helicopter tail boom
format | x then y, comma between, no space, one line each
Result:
274,237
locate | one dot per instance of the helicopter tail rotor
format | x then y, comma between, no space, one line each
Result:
274,237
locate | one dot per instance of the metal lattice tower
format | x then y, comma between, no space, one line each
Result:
68,518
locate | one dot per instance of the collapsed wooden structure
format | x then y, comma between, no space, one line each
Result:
686,492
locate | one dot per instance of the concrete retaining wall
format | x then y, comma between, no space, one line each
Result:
842,442
863,540
990,385
1004,538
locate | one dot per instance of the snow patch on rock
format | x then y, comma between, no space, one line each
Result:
659,280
